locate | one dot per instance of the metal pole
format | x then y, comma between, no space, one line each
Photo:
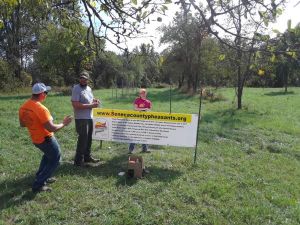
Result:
116,91
198,126
170,98
122,88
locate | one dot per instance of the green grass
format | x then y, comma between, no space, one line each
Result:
247,170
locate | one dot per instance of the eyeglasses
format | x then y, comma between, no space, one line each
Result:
45,92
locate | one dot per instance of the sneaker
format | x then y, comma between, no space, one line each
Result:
44,188
79,164
145,171
91,160
51,180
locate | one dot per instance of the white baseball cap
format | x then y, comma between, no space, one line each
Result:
40,88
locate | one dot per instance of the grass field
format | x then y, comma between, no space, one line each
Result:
247,170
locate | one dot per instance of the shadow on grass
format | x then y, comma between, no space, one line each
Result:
225,123
276,93
296,156
15,97
115,165
15,192
230,117
21,97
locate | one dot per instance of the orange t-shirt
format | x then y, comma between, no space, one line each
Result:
33,115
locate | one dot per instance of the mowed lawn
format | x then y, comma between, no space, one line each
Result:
247,170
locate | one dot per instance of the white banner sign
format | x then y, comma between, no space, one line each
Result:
158,128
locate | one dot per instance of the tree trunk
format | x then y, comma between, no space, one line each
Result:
13,53
285,88
196,82
286,75
239,97
239,85
180,81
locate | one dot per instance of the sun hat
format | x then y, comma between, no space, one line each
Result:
40,88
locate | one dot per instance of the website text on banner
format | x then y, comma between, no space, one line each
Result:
157,128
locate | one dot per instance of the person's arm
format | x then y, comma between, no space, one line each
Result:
140,109
51,127
79,105
21,123
136,107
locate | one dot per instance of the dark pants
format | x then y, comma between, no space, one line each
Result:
84,129
131,147
49,162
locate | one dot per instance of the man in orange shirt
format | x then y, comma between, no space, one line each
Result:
39,122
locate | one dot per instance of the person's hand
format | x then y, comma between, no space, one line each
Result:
95,103
96,100
67,120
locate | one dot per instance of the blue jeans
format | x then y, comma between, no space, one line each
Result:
49,162
131,147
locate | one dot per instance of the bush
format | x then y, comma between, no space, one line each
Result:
209,95
6,76
66,91
26,79
8,81
161,85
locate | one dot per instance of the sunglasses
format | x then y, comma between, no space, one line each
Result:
45,92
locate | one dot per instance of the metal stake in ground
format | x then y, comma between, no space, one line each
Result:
170,98
198,126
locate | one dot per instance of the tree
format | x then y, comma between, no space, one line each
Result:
288,54
120,19
20,25
187,33
243,20
149,60
17,34
107,70
62,54
216,68
172,66
21,22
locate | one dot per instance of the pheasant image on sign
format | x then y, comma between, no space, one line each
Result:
101,130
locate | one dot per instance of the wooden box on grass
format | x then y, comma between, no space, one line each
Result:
135,166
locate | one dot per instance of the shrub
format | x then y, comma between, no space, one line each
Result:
209,95
66,91
26,79
8,81
6,76
161,85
